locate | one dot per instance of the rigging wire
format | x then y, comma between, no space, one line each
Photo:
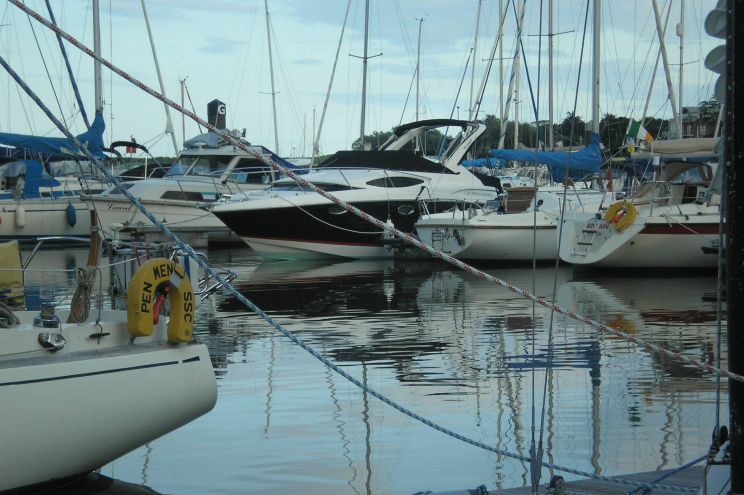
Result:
46,69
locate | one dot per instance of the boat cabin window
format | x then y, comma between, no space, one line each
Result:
518,199
395,182
117,190
251,171
201,166
183,195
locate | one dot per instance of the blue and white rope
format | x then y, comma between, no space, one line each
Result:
188,249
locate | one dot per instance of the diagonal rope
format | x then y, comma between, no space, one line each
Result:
388,229
204,264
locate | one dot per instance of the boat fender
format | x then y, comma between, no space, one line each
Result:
71,214
20,216
156,278
621,214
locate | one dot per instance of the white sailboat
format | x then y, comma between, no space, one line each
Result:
81,388
523,228
668,223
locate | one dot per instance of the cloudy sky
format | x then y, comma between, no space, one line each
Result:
219,47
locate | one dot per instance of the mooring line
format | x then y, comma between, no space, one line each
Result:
187,248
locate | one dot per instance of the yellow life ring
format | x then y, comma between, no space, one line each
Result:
621,215
151,283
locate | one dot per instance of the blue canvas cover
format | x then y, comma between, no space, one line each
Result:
34,177
92,139
579,163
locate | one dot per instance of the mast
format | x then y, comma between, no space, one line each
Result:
168,121
271,69
595,68
550,74
475,52
656,66
664,58
681,34
183,115
418,68
364,73
98,80
316,142
502,126
517,78
70,73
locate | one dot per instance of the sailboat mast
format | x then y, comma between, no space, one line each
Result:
550,74
97,78
475,52
418,68
681,34
500,41
271,69
364,73
316,142
665,60
168,121
595,68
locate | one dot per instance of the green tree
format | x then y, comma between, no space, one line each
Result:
571,130
612,130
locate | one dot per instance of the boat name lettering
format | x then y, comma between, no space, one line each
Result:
146,297
113,207
188,306
597,226
163,270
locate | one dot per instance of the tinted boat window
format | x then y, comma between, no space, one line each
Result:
395,182
182,195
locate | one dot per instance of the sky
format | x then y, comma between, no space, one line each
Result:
219,49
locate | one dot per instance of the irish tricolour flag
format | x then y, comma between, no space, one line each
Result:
637,131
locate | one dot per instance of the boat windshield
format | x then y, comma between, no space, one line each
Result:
201,166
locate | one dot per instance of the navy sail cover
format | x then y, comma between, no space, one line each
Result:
578,163
62,147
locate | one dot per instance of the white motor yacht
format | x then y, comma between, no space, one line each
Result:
209,168
394,184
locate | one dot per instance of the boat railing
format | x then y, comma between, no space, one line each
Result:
40,241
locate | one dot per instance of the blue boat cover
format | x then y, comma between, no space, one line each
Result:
35,177
92,140
578,163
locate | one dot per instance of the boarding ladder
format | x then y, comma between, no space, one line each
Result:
586,239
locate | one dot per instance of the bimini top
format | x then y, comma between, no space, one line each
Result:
389,160
92,140
402,129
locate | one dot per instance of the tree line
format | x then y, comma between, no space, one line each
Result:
571,131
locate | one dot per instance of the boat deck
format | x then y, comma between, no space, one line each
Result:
690,478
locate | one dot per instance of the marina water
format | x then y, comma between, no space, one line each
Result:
458,350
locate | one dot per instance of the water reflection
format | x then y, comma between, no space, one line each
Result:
457,349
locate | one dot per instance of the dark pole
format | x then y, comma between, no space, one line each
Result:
734,203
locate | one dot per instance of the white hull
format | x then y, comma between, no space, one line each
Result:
71,411
42,217
512,237
179,216
478,234
283,249
666,239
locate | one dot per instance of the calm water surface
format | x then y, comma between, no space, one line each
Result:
460,351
